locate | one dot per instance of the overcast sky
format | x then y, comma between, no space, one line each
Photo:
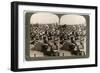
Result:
46,17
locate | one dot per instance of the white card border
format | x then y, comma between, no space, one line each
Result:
48,63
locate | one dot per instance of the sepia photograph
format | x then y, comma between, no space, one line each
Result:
52,35
47,36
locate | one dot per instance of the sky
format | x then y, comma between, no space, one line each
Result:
46,17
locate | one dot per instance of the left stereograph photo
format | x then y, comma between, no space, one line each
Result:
54,35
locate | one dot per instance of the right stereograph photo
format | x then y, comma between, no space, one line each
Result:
56,35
